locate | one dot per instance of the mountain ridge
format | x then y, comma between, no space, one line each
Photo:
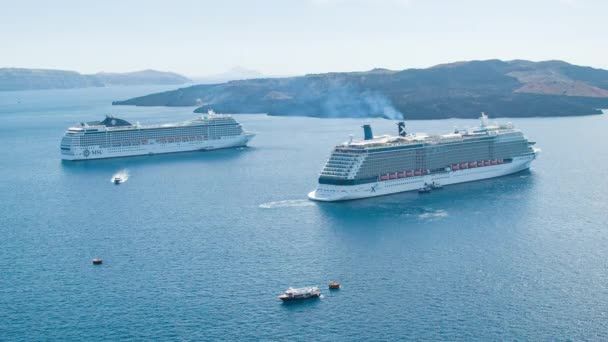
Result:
37,79
514,88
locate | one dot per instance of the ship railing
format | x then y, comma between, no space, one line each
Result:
331,173
341,162
163,125
334,169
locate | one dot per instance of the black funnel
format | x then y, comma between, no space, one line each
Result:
367,132
401,126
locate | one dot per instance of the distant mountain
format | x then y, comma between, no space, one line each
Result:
458,90
31,79
141,77
236,73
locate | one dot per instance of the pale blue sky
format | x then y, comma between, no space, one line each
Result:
285,37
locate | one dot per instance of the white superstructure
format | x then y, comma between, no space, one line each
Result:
390,164
114,137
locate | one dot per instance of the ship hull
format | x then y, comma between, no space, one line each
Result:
331,193
154,147
295,299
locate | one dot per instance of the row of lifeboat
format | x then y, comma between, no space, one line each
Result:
404,174
180,139
461,166
160,140
476,164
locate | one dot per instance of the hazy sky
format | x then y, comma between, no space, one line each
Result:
285,37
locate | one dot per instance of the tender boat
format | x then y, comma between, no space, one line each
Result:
117,180
425,189
300,293
436,186
334,285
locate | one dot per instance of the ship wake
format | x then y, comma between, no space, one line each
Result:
287,204
433,214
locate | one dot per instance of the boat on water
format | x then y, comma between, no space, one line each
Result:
120,177
425,189
300,293
114,137
334,285
382,165
436,186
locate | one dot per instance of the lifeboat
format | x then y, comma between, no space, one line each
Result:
493,162
409,173
486,163
417,173
385,177
401,174
464,165
393,176
500,161
472,164
456,167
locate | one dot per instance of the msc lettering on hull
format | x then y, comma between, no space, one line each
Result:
87,153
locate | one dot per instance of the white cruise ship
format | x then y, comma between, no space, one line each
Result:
386,164
114,137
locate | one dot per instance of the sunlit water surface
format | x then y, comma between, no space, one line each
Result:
198,245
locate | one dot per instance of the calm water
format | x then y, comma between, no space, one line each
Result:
198,245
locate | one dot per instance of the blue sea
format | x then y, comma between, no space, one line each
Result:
197,246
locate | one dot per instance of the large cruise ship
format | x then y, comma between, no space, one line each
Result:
114,137
386,164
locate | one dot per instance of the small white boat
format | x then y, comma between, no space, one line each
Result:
300,293
425,189
120,177
436,185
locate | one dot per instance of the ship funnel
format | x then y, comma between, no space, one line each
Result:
401,126
367,132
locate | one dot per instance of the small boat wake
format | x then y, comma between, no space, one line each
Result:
287,204
433,214
120,177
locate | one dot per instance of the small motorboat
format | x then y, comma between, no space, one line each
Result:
120,177
425,189
300,293
436,186
334,285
